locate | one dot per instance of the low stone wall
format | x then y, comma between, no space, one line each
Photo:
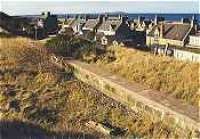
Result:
133,96
138,98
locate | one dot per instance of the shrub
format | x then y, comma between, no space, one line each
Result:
70,46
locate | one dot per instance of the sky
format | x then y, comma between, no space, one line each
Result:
22,7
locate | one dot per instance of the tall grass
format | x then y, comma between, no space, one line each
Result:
36,92
178,78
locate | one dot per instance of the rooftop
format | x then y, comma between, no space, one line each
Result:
172,31
91,23
106,25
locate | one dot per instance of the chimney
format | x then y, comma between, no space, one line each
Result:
182,20
192,21
195,28
76,16
79,17
105,17
132,26
150,26
48,13
100,18
86,17
138,20
120,16
161,30
155,20
123,19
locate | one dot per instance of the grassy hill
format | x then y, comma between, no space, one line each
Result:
178,78
38,99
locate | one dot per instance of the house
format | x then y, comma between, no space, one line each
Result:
114,28
90,27
66,30
49,22
66,26
141,24
92,24
68,22
77,25
174,33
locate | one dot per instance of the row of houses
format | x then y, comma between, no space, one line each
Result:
106,29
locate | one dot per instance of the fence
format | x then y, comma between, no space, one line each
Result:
185,55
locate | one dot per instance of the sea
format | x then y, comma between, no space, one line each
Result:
151,16
148,16
168,17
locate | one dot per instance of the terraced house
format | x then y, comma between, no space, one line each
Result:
172,33
77,25
89,29
104,29
114,28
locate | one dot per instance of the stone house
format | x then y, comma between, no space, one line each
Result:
174,33
77,25
90,27
92,24
114,28
49,22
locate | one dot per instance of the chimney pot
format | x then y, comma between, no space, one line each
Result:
161,30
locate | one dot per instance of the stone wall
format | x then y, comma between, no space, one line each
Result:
132,98
136,97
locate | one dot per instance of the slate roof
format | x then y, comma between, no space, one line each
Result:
91,23
77,22
70,21
105,26
172,31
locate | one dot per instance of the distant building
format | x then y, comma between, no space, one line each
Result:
92,24
169,33
77,25
172,33
48,22
141,24
90,27
114,28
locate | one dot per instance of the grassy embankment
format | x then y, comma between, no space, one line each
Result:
39,99
178,78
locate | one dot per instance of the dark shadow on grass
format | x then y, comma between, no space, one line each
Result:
21,130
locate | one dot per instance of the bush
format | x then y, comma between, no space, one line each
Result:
70,46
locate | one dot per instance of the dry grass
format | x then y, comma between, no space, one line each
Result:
181,79
44,97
